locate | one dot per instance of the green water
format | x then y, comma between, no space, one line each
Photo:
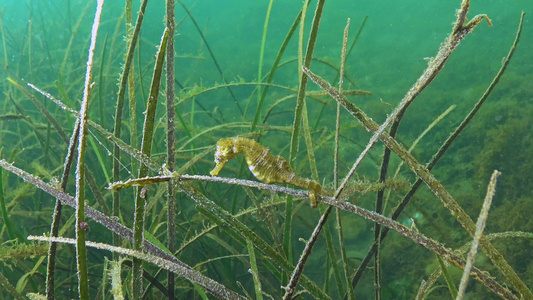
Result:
46,43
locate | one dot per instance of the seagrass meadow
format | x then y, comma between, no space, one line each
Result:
266,149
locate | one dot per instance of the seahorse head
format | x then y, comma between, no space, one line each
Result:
226,150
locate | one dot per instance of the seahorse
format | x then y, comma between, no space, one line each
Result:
263,164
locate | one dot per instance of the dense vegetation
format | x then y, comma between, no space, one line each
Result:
107,146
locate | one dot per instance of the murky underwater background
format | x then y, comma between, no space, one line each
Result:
45,43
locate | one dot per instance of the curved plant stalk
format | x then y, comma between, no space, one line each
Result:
413,145
287,242
135,153
420,136
421,240
120,104
109,222
191,162
146,149
381,201
445,146
131,80
209,130
422,172
198,90
236,225
381,207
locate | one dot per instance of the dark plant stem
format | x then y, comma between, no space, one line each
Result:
297,272
54,230
120,104
146,149
350,291
444,147
171,140
303,79
113,225
226,218
296,125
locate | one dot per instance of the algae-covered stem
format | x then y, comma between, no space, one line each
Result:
298,110
54,228
113,225
189,273
146,149
434,67
459,31
134,152
263,164
428,178
439,249
345,263
171,139
445,146
480,226
419,169
117,128
81,254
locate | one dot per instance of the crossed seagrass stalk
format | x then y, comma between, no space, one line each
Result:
263,164
274,169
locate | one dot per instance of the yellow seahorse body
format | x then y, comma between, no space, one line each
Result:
263,164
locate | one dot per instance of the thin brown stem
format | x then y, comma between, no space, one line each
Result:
171,139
